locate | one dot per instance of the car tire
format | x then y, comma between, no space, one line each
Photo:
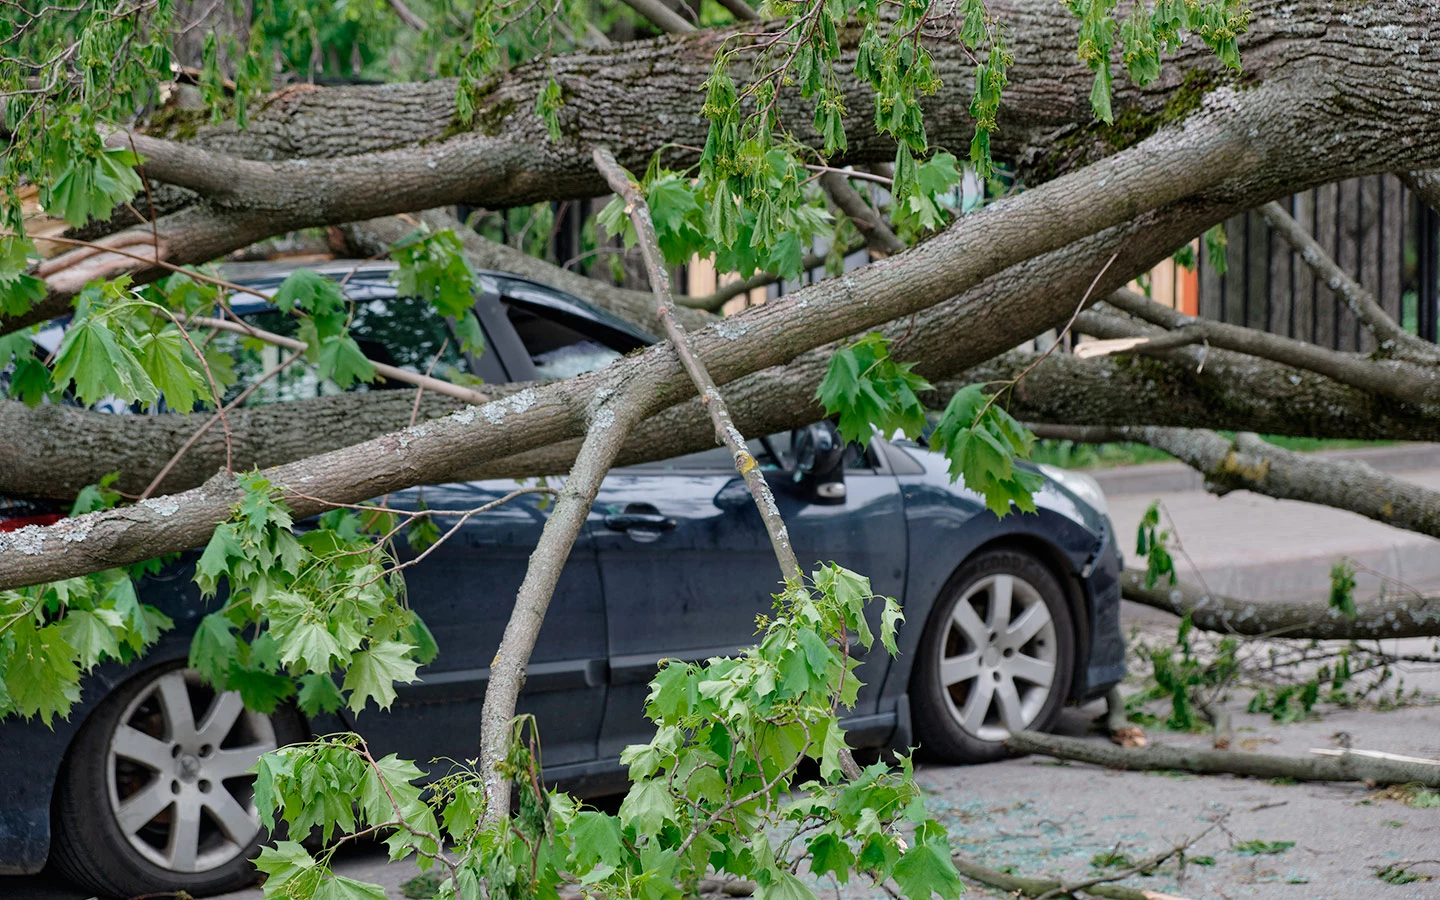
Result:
976,678
153,797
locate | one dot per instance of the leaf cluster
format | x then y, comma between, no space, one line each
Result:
716,788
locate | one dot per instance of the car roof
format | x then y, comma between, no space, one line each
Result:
370,280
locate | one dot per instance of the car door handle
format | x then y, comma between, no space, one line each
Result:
642,521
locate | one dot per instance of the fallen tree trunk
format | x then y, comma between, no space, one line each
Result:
1389,617
1349,767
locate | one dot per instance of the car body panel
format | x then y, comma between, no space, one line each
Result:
624,599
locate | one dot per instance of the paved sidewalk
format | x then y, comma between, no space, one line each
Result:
1253,546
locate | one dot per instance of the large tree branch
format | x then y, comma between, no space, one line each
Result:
1004,234
1252,464
1387,377
1387,617
507,158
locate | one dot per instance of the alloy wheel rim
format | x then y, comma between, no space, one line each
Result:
998,657
177,769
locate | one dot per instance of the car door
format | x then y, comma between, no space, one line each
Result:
686,565
465,590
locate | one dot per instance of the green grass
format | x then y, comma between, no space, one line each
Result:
1072,455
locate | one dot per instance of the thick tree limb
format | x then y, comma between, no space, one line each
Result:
1360,301
1252,464
1388,617
1349,767
611,418
1401,380
509,159
1010,231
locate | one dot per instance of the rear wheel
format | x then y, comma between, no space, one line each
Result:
997,656
156,795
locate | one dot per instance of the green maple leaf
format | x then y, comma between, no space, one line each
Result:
868,390
312,643
308,290
41,674
261,691
224,545
890,619
318,693
167,359
342,361
338,887
648,806
830,853
926,869
287,861
594,839
672,693
373,673
213,648
92,634
784,886
99,365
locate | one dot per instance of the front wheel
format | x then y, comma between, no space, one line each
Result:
156,794
997,657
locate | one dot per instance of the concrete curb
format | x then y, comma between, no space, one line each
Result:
1168,477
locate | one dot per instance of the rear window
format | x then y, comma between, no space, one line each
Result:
557,350
403,332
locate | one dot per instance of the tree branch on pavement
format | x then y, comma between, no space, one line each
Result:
1251,463
1019,885
1386,617
1349,767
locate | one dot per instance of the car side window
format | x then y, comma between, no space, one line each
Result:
558,350
857,459
404,332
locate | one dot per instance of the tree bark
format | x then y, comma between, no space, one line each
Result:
408,152
1388,617
1002,235
1252,464
1349,767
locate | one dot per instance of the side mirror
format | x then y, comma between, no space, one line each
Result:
819,470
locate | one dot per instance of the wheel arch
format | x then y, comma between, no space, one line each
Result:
33,757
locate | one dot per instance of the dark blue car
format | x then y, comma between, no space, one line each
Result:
143,788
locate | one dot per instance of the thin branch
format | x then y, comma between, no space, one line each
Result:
1360,301
661,16
725,430
391,372
867,220
612,416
